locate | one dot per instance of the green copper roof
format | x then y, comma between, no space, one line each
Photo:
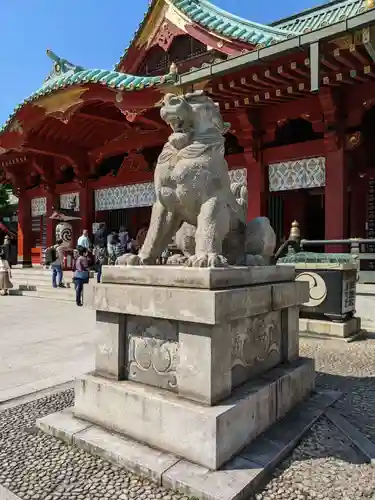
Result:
65,74
228,25
317,258
320,16
221,22
214,19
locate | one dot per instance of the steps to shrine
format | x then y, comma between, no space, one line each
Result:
37,282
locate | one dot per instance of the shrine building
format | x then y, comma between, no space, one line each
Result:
299,94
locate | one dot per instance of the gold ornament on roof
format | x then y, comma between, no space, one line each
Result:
370,4
173,68
295,232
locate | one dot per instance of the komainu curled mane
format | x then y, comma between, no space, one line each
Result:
194,197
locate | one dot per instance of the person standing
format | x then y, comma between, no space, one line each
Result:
81,274
112,239
84,241
124,238
7,247
100,249
5,274
55,258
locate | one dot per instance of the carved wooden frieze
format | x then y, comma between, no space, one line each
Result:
152,351
306,173
69,200
165,35
256,345
38,206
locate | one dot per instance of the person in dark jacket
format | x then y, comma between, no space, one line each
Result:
100,249
100,237
81,273
124,238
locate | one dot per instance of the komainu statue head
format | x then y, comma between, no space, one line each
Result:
193,116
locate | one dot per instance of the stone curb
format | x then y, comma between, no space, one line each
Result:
361,335
355,436
238,479
7,495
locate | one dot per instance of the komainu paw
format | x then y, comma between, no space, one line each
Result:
129,259
176,260
207,260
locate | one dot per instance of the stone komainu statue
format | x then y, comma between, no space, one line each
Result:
194,198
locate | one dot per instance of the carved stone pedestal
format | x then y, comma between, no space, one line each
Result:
193,362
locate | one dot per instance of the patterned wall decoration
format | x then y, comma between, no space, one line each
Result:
66,200
38,206
141,195
238,175
297,174
133,195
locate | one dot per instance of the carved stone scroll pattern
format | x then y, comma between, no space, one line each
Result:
153,352
38,206
297,174
256,345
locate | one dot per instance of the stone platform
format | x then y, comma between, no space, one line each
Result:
346,330
236,480
195,363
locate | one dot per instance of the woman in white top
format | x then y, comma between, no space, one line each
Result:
5,274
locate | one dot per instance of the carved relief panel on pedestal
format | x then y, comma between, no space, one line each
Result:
256,345
152,351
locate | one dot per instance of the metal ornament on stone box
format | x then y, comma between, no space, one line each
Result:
332,283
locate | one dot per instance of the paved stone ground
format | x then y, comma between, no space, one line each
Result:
48,342
324,466
42,343
365,305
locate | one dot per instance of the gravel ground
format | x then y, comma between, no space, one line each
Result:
324,466
38,467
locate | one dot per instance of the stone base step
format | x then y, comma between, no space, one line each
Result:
66,295
37,283
236,480
32,287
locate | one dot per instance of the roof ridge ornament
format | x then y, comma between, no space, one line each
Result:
61,67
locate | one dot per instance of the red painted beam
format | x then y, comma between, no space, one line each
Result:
71,154
226,46
128,142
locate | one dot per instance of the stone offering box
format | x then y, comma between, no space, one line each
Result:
332,280
194,362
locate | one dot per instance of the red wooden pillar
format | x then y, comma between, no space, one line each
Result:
257,186
336,196
358,205
86,207
24,236
336,188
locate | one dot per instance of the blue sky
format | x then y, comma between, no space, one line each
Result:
91,33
